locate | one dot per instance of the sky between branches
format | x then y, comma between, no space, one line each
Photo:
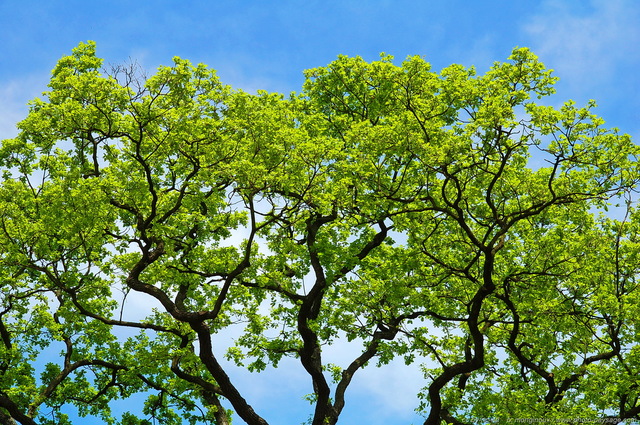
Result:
591,44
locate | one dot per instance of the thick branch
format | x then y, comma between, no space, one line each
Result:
14,412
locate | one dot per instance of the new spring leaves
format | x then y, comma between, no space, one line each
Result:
444,217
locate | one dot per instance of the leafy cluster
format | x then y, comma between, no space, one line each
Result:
445,218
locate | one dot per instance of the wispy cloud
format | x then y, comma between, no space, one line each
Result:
587,45
14,95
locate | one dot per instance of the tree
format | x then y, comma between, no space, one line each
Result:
442,217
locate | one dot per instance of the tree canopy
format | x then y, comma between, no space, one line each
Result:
448,218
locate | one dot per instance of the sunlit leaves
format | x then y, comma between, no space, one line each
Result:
441,217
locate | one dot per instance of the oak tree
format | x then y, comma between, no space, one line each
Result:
449,218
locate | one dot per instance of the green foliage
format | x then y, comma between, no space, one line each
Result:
444,218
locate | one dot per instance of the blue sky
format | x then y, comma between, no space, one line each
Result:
592,45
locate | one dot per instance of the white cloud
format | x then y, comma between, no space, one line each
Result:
589,48
376,395
15,94
392,390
